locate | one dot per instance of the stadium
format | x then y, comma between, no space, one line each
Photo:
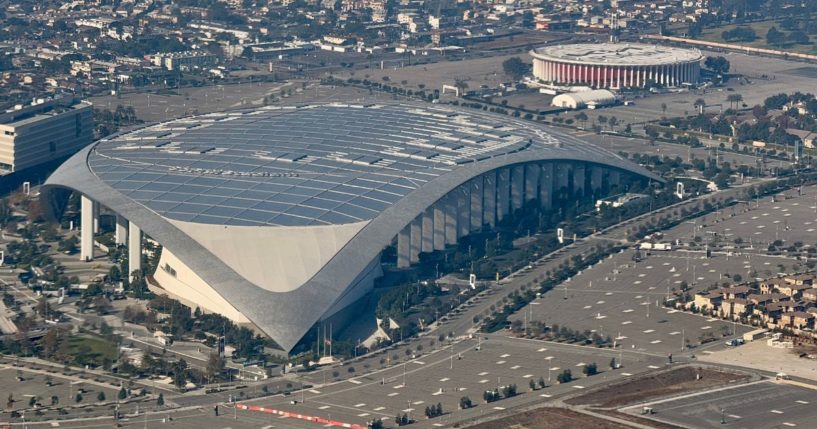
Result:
277,217
616,65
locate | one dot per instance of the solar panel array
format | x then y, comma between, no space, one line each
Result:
312,165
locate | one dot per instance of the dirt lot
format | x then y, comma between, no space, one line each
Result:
639,420
549,418
681,380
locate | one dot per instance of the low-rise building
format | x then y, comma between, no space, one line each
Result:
43,131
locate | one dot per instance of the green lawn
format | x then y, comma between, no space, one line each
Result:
761,28
91,350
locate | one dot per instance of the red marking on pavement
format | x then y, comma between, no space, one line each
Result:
313,419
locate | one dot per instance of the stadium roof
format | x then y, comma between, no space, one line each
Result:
313,165
619,54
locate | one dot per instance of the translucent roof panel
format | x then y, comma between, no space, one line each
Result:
297,166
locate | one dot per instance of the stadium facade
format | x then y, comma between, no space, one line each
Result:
616,65
277,217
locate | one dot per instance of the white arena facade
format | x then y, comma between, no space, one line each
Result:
277,217
616,65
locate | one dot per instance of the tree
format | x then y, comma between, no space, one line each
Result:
461,86
734,99
590,369
101,396
719,65
613,364
776,101
465,403
582,117
10,401
160,401
612,122
376,424
78,398
541,383
215,364
775,37
515,68
565,377
122,393
700,105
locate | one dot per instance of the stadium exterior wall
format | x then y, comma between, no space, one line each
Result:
598,75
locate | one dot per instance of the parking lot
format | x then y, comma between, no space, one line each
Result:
790,217
623,299
28,384
765,404
445,377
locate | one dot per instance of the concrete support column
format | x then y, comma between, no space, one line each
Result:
427,243
503,194
416,231
579,180
404,247
596,182
134,249
121,230
546,186
489,199
439,225
463,197
531,181
476,187
87,216
517,187
614,181
561,179
451,217
96,217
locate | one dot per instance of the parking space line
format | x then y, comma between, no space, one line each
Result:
362,404
392,394
444,379
776,412
380,408
499,408
545,395
483,381
800,401
483,373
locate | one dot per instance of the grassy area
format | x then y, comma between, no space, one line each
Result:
760,28
91,350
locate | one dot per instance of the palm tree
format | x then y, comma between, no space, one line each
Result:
612,122
700,104
582,117
461,86
734,99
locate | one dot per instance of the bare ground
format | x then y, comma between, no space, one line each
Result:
668,383
549,418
